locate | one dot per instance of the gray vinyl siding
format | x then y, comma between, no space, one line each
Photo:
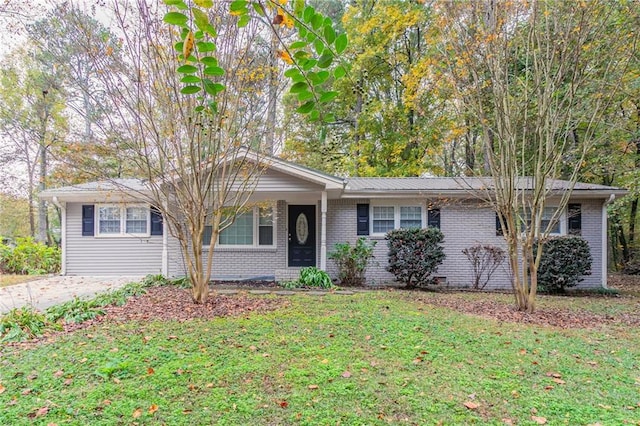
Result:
274,181
92,255
463,224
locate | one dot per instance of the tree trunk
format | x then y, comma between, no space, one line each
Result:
43,223
270,134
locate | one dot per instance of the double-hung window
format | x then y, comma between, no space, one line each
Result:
121,220
387,218
253,228
383,219
545,221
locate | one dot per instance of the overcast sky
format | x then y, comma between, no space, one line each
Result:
15,15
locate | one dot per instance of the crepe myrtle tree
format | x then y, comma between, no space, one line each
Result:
536,78
193,105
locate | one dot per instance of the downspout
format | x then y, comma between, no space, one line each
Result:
323,231
605,240
63,234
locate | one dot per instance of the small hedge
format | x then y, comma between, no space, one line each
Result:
352,261
29,257
565,260
415,254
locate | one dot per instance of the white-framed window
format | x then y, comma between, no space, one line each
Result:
559,228
118,220
385,218
254,228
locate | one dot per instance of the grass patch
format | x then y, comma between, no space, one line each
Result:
7,280
372,358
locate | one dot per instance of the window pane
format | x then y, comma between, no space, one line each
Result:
266,216
546,220
240,232
265,226
383,220
411,217
109,220
206,235
136,220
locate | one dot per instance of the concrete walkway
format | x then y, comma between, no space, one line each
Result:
51,291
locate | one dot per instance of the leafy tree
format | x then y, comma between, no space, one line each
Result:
534,76
32,120
66,40
14,216
386,121
191,113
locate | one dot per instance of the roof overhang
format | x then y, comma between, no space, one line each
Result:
472,194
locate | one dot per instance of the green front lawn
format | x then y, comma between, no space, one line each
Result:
372,358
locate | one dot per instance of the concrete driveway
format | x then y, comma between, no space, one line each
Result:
50,291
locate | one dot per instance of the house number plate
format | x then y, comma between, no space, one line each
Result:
302,229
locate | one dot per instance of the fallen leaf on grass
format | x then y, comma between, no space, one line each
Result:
153,408
313,387
559,381
68,382
283,404
38,413
58,373
539,420
346,374
555,375
26,392
471,405
150,371
137,413
2,388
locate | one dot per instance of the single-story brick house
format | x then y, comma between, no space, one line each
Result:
300,214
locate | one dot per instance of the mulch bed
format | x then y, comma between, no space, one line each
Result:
175,304
504,312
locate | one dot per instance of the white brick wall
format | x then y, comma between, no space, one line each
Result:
463,223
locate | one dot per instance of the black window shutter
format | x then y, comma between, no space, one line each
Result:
433,218
156,221
498,225
574,220
87,220
363,219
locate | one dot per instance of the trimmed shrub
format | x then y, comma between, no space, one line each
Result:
565,260
352,261
415,254
29,257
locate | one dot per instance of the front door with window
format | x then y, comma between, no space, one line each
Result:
302,235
